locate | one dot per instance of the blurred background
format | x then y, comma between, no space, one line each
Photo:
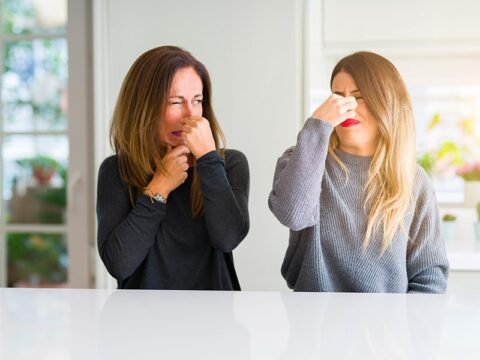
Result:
62,64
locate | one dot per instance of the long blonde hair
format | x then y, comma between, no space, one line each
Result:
389,188
139,109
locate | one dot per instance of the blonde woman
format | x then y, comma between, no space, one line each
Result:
362,215
171,204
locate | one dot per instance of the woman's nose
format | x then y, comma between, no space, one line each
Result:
189,110
192,110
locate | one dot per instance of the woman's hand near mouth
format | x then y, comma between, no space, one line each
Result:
172,173
197,136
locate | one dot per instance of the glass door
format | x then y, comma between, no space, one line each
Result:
34,144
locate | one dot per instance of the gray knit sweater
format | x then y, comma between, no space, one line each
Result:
327,224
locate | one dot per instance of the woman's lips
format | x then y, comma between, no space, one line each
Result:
177,133
350,122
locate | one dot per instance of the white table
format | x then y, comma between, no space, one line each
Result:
102,324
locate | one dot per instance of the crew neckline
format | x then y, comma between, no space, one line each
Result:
356,160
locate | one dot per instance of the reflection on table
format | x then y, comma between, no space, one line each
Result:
103,324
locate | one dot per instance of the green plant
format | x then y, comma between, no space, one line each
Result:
43,168
449,217
56,196
36,258
445,156
427,162
448,154
478,211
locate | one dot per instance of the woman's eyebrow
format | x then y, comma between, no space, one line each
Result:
182,97
341,93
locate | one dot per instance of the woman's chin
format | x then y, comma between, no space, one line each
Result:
175,142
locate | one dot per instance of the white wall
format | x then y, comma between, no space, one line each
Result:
253,51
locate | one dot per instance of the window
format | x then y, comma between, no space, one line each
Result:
448,135
448,131
35,148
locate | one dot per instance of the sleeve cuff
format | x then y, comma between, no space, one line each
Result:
153,205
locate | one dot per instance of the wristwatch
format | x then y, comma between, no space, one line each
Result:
157,197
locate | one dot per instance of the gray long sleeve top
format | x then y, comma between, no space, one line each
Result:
160,246
327,221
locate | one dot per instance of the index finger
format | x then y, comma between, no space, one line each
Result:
343,99
349,99
192,119
348,102
180,150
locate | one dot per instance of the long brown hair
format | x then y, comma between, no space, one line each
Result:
388,192
141,105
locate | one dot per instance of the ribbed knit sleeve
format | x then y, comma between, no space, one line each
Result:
294,199
225,193
427,263
125,233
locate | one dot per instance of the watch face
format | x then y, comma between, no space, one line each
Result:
159,198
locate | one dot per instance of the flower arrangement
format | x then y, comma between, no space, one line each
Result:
442,160
469,171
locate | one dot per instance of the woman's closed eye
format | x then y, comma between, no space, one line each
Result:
176,100
180,102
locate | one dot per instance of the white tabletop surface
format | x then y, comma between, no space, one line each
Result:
103,324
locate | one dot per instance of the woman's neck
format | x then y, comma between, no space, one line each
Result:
358,151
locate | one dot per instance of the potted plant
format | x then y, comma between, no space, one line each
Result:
47,200
42,168
449,224
470,172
